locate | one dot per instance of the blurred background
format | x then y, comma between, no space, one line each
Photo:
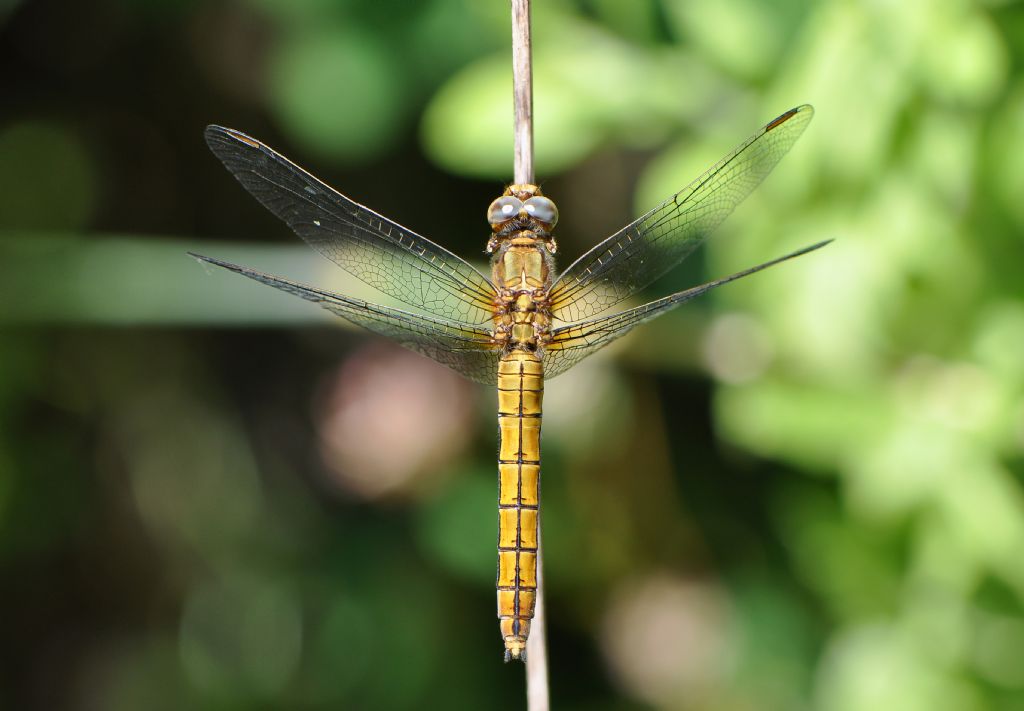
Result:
803,492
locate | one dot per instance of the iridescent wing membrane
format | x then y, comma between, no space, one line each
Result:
646,249
571,344
649,247
370,247
464,348
375,250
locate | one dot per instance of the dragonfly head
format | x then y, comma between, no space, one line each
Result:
522,207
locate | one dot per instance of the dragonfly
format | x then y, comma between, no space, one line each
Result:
522,324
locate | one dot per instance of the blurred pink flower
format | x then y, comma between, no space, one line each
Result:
390,421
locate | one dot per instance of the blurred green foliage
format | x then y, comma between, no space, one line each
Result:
804,493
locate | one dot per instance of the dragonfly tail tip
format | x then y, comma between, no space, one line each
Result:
515,648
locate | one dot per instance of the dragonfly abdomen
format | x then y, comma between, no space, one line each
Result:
520,395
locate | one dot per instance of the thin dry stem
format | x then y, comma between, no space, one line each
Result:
537,697
522,89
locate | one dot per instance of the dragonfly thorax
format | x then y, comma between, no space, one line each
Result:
522,268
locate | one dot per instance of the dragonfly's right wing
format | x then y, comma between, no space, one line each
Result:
571,344
464,348
372,248
647,248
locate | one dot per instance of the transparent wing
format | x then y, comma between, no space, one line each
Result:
646,249
464,348
571,344
370,247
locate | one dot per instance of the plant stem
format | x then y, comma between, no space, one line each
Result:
522,89
537,698
537,694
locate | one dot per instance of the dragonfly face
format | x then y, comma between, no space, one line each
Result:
499,330
522,207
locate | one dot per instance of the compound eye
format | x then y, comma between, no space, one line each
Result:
542,209
504,208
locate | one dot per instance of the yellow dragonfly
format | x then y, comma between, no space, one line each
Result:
521,325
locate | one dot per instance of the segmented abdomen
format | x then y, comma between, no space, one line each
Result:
520,394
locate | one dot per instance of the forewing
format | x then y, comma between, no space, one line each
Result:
646,249
571,344
372,248
464,348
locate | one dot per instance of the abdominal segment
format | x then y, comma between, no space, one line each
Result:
520,392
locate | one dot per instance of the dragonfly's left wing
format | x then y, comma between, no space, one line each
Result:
646,249
464,348
571,344
390,258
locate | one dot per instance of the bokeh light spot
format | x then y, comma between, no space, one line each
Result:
338,93
390,419
736,348
669,640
